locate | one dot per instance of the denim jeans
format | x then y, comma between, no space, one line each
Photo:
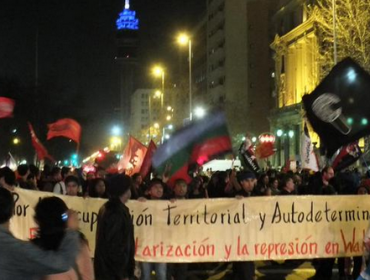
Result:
159,268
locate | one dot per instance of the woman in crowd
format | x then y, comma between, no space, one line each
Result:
51,215
97,188
274,186
262,184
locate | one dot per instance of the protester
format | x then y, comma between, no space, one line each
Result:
288,186
97,188
137,186
218,184
245,270
58,177
262,184
155,192
7,179
21,260
23,171
115,246
197,188
274,186
357,261
179,271
322,186
72,186
51,215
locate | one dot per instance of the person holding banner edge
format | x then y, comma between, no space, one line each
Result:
245,270
21,260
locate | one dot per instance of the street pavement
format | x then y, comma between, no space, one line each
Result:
290,270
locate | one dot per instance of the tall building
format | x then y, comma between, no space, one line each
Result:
232,70
297,72
147,120
127,47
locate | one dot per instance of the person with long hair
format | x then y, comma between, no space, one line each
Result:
21,260
97,188
51,215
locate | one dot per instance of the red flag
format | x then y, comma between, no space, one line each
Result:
41,151
347,156
133,157
68,128
6,107
264,150
147,162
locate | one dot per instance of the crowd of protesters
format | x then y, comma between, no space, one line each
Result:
114,254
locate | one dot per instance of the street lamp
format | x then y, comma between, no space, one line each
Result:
183,40
115,143
199,112
116,130
16,141
157,94
158,71
164,135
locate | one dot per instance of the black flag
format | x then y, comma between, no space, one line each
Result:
339,108
248,157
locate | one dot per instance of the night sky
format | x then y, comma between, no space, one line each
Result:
76,43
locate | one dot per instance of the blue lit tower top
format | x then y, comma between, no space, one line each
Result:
127,19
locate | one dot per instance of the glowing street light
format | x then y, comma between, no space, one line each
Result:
115,143
183,39
157,94
156,125
16,141
158,71
164,134
116,130
199,112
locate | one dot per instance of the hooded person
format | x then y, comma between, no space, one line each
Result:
115,245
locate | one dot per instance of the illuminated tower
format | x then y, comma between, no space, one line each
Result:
127,45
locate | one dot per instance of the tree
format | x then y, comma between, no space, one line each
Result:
352,29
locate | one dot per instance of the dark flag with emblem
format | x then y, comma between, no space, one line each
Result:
339,108
248,158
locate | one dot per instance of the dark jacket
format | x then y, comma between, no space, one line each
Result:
285,192
21,260
115,246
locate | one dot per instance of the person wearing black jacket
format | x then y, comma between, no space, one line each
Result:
322,186
115,245
288,186
245,270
